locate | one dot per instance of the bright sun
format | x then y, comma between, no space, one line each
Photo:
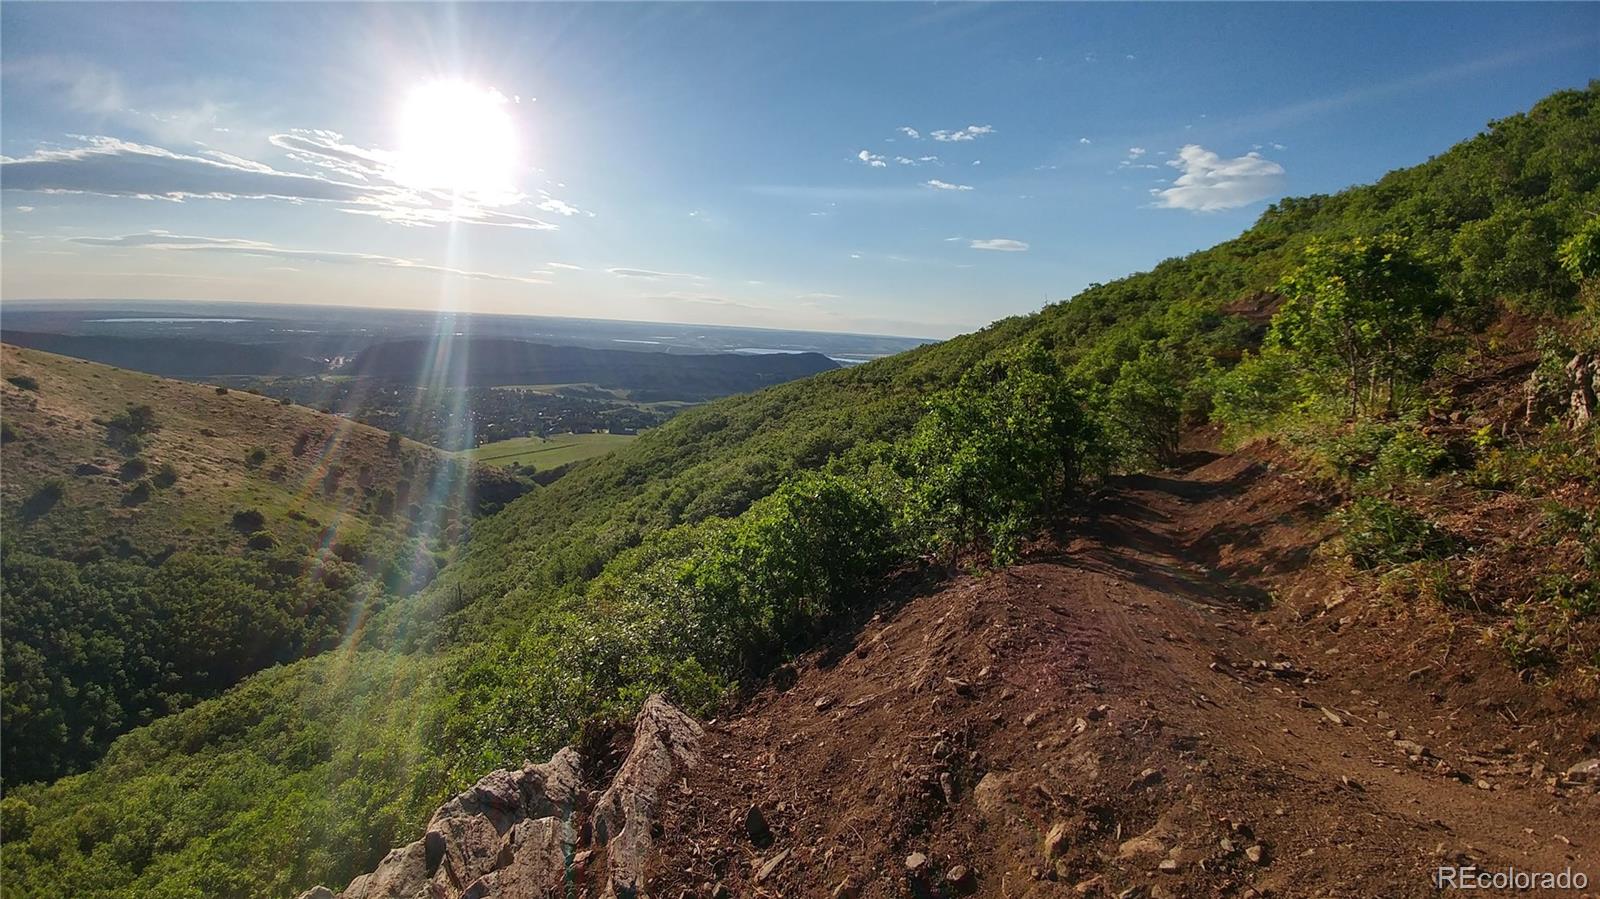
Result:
458,138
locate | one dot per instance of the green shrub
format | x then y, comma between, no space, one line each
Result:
248,521
1007,450
24,382
1378,532
133,469
166,475
255,457
138,493
1260,389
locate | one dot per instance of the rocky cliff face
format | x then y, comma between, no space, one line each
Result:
535,832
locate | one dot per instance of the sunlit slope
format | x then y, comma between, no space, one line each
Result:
312,476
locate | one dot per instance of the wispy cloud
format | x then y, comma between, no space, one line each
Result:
111,167
644,274
1000,244
936,184
163,241
971,132
1210,182
910,132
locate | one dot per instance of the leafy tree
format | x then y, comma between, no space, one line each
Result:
1361,312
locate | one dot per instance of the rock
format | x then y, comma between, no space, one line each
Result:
960,877
989,794
771,866
1057,840
318,892
666,742
1147,778
1169,866
823,703
847,889
916,864
401,873
1333,717
721,891
756,827
1144,844
492,825
1411,747
1587,771
1256,853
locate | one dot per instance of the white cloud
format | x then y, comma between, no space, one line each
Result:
1135,152
165,242
566,265
872,159
551,204
910,132
645,274
1000,244
936,184
971,132
977,162
1210,182
22,209
1085,141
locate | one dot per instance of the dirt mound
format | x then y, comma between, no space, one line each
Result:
1128,712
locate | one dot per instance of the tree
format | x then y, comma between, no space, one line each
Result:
1361,313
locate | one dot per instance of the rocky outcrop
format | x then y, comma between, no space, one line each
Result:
516,833
666,742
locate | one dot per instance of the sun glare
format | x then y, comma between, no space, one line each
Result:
458,138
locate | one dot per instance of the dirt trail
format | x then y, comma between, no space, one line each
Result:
1171,707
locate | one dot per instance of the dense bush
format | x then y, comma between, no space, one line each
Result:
1008,448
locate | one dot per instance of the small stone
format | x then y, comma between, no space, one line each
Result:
1169,866
1255,854
916,864
847,889
721,891
1057,840
1333,717
1412,747
823,703
1148,777
959,877
1587,771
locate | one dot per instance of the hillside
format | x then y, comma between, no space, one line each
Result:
487,361
697,559
120,481
1117,712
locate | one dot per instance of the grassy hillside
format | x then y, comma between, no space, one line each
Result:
667,564
164,539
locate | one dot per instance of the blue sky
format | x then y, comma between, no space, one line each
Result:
889,168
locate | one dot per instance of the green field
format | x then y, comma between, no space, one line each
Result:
544,453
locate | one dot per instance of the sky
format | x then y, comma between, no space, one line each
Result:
894,168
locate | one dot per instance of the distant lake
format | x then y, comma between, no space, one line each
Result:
173,320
